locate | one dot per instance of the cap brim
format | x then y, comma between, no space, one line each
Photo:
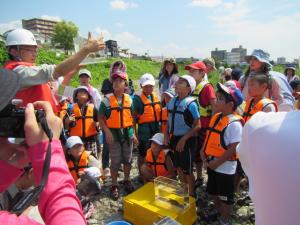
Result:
248,57
156,141
152,83
9,86
223,88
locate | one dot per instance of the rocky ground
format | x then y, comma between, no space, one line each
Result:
107,210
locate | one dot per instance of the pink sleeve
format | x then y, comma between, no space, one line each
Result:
8,175
58,203
11,219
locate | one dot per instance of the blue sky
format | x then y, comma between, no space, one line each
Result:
180,28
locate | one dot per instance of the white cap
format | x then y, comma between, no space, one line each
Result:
73,140
20,37
86,72
191,81
147,79
93,172
158,138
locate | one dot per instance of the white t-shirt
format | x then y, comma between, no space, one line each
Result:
270,156
233,134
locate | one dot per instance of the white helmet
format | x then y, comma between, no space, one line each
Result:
20,37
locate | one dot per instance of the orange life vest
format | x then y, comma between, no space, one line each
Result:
41,92
250,110
85,124
214,145
62,110
82,164
152,109
158,165
120,116
164,119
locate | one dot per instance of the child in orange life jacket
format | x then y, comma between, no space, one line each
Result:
183,124
167,96
147,109
206,97
158,160
62,112
83,120
257,86
219,149
295,84
78,159
116,119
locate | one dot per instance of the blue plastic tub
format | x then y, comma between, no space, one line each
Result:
118,223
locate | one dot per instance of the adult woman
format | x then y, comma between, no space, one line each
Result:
168,75
279,90
290,73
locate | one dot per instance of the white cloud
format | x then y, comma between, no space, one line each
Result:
55,18
10,25
239,25
129,40
205,3
104,32
122,5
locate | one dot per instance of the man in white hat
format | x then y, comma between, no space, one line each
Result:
22,50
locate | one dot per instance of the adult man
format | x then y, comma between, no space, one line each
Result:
270,155
22,50
85,77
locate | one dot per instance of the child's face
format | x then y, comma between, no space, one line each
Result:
82,97
119,84
182,87
148,89
155,147
76,151
84,80
221,104
297,89
169,67
255,89
197,74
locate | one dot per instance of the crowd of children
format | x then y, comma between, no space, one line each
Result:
185,127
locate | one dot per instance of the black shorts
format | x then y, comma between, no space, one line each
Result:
200,141
239,169
143,147
186,158
221,185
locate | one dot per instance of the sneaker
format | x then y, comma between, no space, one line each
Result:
128,186
114,192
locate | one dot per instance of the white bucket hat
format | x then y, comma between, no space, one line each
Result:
72,141
147,79
158,138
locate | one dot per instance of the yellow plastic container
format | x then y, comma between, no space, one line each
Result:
141,208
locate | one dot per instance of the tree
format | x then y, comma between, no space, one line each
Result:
3,53
64,32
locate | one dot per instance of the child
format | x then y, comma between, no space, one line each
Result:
116,120
219,149
166,98
257,86
205,95
158,160
78,159
83,120
183,124
147,110
295,84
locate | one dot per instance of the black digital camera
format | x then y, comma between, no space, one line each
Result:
12,119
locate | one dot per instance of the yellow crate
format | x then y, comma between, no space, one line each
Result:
141,208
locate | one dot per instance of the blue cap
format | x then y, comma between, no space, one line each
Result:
260,55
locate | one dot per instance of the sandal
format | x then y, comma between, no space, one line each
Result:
128,186
114,192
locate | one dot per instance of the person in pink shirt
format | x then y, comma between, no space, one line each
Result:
57,202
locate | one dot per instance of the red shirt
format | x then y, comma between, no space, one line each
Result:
207,94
